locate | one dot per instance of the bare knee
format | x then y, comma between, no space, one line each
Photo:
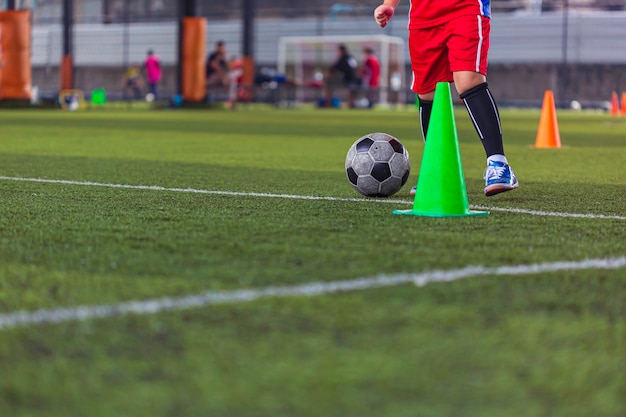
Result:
466,80
428,96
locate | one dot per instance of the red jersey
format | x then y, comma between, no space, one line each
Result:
427,13
371,71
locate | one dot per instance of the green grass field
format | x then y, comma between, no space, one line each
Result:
230,209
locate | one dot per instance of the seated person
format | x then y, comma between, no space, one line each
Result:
217,67
131,80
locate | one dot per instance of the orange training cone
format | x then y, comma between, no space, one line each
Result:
441,188
614,104
624,104
548,135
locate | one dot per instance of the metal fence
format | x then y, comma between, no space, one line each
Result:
119,11
527,39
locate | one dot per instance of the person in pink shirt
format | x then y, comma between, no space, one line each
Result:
153,71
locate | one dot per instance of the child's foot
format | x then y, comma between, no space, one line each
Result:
499,177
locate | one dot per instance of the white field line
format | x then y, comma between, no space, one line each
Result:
39,317
302,197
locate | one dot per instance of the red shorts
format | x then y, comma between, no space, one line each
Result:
461,44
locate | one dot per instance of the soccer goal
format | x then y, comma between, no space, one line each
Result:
304,59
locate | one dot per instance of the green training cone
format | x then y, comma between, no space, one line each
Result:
441,188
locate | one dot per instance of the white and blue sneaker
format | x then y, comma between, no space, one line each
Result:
413,191
499,177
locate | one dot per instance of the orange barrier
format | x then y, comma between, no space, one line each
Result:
548,135
16,75
614,104
193,66
66,73
246,89
248,71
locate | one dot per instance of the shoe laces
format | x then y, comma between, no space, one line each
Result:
496,171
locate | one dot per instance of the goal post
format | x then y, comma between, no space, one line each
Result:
304,59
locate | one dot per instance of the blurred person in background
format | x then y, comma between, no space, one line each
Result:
370,75
131,80
217,66
343,72
236,91
152,66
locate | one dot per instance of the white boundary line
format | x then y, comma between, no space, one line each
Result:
154,306
302,197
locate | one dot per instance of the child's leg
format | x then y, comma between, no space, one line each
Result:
481,106
483,111
425,108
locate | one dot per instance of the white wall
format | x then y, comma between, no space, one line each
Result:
593,38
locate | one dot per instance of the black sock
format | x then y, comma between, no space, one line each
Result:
483,111
426,107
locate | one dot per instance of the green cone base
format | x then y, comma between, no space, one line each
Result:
423,214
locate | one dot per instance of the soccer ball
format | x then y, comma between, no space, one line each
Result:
377,165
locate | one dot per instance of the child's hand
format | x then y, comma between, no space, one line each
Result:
383,14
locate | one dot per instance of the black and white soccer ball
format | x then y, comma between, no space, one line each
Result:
378,165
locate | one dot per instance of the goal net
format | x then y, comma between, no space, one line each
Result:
305,59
